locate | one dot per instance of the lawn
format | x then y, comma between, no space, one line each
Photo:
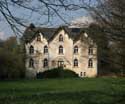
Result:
63,91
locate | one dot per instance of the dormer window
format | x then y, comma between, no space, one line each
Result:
38,38
76,50
45,49
61,38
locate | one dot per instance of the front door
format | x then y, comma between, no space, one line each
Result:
60,63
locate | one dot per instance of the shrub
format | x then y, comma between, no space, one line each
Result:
57,73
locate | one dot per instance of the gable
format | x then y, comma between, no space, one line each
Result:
56,33
50,33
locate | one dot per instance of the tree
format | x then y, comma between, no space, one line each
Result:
41,8
11,60
110,16
99,37
109,13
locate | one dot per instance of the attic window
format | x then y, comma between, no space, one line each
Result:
38,38
61,38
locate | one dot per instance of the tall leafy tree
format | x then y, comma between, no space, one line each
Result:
110,16
11,60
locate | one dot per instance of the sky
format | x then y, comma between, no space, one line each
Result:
55,21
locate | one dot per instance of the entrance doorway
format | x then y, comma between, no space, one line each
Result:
60,63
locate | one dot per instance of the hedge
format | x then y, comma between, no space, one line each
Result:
57,73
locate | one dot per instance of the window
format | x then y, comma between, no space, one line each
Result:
45,63
75,49
45,49
60,49
75,63
90,63
90,51
31,50
82,74
31,63
38,38
61,38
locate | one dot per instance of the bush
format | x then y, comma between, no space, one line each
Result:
57,73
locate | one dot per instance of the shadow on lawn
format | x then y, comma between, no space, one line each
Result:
85,97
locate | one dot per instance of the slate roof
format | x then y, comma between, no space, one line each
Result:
49,33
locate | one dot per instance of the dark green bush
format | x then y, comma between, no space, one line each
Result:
57,73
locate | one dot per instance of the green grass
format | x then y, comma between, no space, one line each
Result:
63,91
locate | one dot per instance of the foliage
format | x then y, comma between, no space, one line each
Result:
11,60
57,73
109,15
110,53
63,91
99,37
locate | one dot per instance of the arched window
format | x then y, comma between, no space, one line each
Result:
61,38
90,51
60,49
31,63
31,50
45,49
75,49
45,63
38,38
90,63
75,62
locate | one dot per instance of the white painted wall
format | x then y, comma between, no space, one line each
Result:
68,56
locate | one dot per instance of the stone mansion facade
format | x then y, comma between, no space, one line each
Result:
70,48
